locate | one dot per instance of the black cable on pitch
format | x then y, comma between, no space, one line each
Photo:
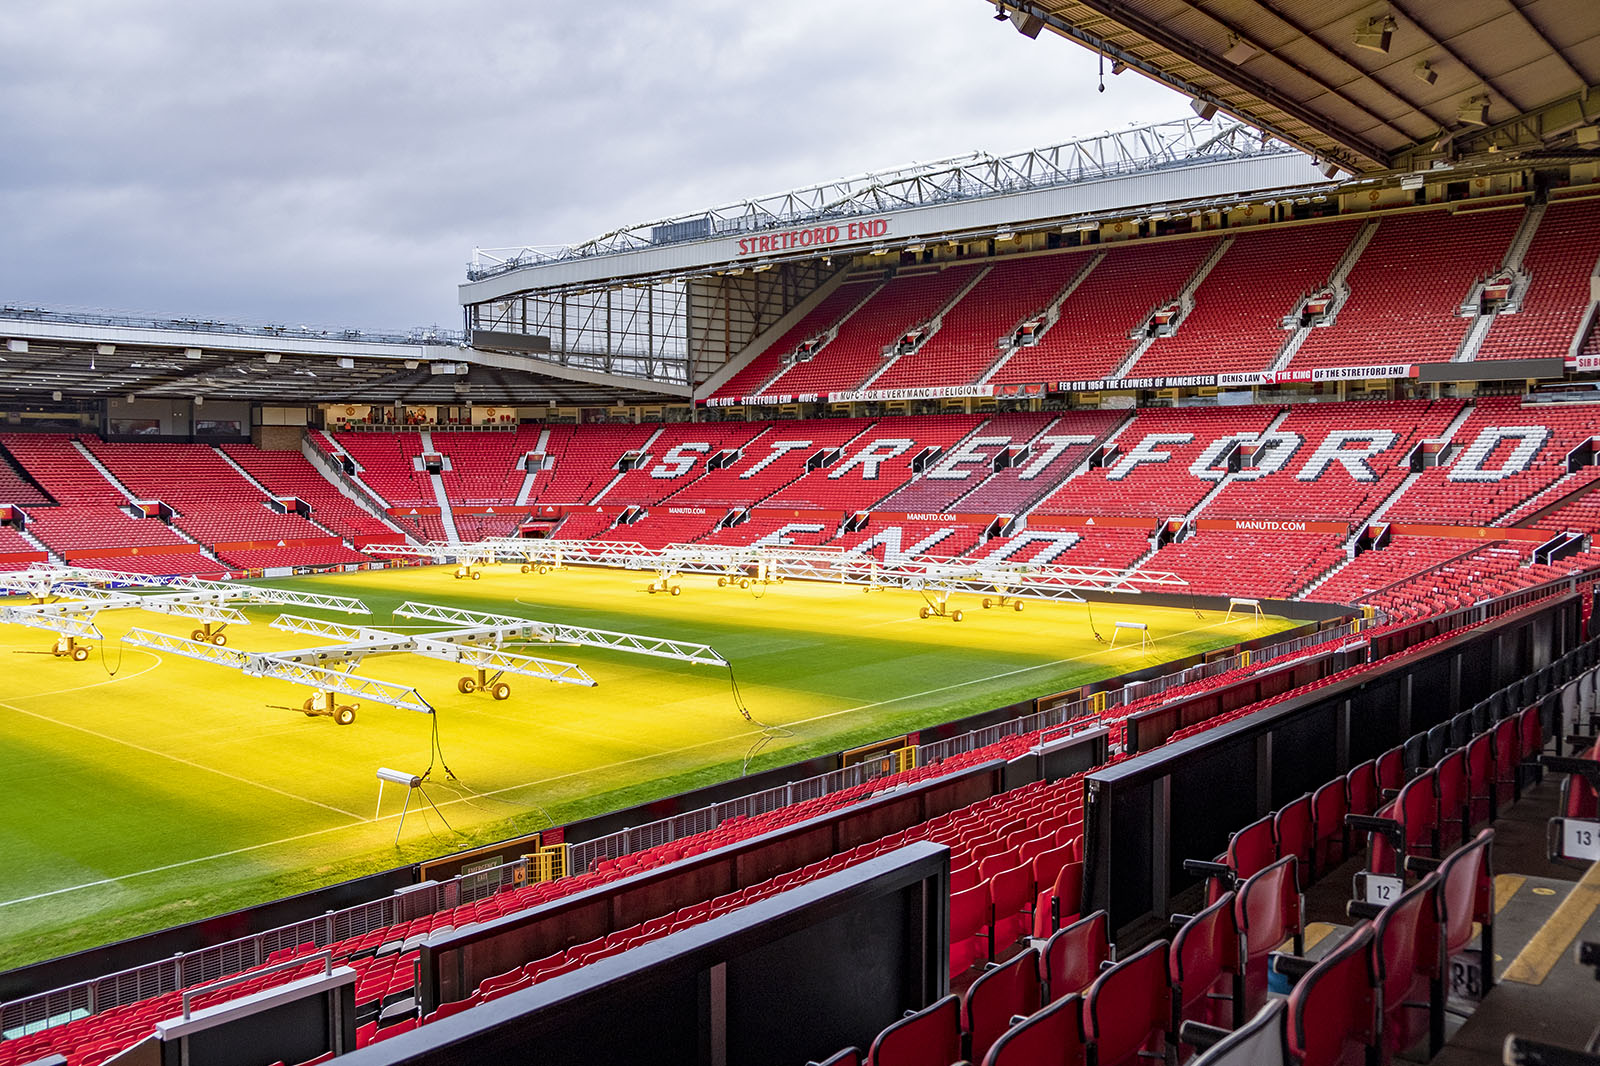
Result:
110,670
1089,605
769,733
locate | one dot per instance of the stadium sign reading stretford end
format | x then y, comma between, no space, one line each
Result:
816,236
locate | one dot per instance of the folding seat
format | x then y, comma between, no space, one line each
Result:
1403,837
1465,898
1530,735
1479,754
1011,900
1507,755
1361,786
930,1037
1073,958
1333,1007
1052,1036
1250,850
1262,1041
1060,901
1329,805
1128,1010
1005,991
1207,978
1391,770
1295,828
1451,792
1268,910
969,928
1406,960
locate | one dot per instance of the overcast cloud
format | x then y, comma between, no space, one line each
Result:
333,162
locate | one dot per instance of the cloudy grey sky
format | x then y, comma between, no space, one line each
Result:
333,162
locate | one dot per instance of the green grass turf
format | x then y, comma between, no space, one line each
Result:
170,790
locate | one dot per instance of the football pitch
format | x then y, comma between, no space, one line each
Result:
146,790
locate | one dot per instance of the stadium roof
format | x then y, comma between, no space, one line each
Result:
1370,86
94,356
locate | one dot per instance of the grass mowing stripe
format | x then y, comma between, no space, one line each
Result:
186,762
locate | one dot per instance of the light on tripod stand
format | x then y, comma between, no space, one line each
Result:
413,785
398,777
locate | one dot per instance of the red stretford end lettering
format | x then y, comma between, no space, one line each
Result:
807,238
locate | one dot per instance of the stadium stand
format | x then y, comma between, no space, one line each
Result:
1239,310
214,503
771,460
964,470
584,460
1014,857
387,463
1407,288
965,345
1508,452
678,456
291,475
829,312
1092,335
482,468
1564,251
1337,461
879,462
1152,473
1218,563
856,353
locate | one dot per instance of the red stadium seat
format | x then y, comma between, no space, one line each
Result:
1008,990
930,1037
1128,1010
1052,1036
1072,959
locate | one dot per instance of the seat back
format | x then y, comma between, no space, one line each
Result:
1530,733
1480,776
1507,747
1578,797
1053,1035
1010,989
1268,912
1333,1007
1072,957
1450,791
1296,831
1060,902
1329,805
1047,864
1204,967
1262,1041
969,927
1129,1008
1253,848
1466,892
1391,770
1361,786
930,1037
1011,896
1405,960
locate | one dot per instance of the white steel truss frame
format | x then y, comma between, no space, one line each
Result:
457,646
503,626
964,177
257,664
1033,581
